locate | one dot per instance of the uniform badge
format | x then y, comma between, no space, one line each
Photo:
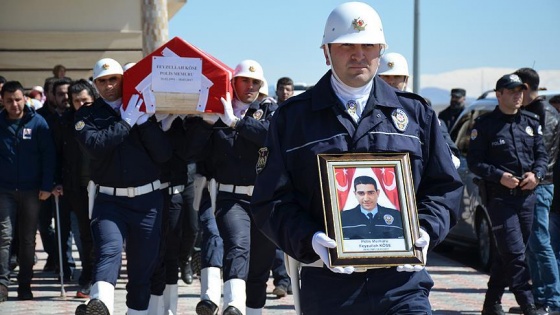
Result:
258,114
391,64
359,24
399,119
529,131
388,219
252,69
27,133
261,161
474,133
79,125
351,107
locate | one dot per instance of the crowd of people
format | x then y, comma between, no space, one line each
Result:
243,185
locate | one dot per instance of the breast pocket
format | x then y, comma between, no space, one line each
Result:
394,142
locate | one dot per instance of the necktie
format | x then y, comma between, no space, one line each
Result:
370,216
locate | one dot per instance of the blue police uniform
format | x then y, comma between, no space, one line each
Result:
230,156
287,203
508,143
125,164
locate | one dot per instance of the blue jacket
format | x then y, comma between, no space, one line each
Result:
27,156
387,223
287,201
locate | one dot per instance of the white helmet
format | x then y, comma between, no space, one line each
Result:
393,64
106,66
249,69
354,23
128,65
264,87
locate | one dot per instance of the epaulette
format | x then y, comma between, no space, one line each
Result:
413,96
483,116
529,114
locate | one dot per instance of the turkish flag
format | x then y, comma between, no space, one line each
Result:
344,177
387,179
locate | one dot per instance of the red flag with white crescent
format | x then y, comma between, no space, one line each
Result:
386,177
344,178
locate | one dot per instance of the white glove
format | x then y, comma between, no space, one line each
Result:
132,111
423,242
142,119
167,122
160,117
228,117
210,118
456,161
321,244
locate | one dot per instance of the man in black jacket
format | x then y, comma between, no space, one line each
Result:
540,257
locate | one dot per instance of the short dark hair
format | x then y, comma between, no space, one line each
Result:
80,85
11,87
58,68
47,86
59,82
364,180
3,80
284,81
530,77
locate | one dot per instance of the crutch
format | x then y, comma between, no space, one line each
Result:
60,264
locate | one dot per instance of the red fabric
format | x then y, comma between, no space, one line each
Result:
386,178
344,178
216,71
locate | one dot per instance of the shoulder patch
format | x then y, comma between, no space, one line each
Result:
79,125
261,161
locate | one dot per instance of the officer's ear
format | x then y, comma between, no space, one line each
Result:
327,61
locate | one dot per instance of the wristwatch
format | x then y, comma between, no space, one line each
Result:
539,176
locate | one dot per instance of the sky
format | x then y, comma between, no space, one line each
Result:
284,35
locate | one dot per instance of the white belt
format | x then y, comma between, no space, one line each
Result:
242,190
130,191
164,185
176,189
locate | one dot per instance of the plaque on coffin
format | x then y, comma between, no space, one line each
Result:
178,78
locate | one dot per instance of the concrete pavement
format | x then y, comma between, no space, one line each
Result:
458,290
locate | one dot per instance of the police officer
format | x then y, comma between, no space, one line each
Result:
231,148
351,110
126,148
507,151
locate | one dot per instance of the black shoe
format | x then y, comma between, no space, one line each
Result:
24,293
280,291
495,309
206,307
529,309
232,310
186,273
3,293
195,261
13,262
96,307
81,309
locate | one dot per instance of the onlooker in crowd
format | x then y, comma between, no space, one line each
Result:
540,257
284,89
2,81
126,152
46,229
351,110
231,147
506,150
554,218
450,114
26,177
74,175
59,72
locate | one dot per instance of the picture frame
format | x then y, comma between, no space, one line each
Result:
388,238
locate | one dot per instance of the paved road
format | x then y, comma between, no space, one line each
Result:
458,289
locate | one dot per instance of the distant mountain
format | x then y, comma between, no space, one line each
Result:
437,87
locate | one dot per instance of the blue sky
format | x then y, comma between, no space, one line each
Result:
284,35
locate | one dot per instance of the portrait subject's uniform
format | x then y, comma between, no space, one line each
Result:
386,223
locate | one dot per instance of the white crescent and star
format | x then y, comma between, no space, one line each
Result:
342,188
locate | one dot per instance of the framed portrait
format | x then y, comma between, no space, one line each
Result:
370,209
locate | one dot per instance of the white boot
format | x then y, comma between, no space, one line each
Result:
105,292
170,297
254,311
234,294
156,305
211,284
136,312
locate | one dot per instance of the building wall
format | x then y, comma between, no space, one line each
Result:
36,35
